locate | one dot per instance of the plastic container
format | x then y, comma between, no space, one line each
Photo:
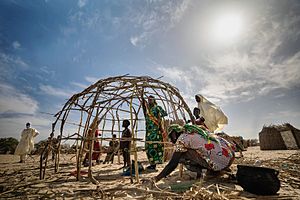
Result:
258,180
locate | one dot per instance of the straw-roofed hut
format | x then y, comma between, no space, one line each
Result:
107,103
238,140
279,137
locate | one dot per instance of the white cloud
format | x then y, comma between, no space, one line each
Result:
20,62
16,45
17,108
287,73
67,31
140,40
286,114
9,65
7,60
47,71
270,61
235,77
178,11
158,18
14,101
134,41
88,20
179,77
80,85
58,92
82,3
91,79
12,126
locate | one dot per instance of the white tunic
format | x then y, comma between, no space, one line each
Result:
26,144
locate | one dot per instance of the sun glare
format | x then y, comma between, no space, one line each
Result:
227,27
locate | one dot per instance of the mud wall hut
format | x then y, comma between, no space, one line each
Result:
279,137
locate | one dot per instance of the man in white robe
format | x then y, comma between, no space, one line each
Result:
214,117
26,144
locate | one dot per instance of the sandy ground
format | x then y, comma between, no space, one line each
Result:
21,181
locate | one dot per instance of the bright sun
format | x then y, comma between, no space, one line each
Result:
227,27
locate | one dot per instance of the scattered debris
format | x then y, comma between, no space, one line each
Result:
22,180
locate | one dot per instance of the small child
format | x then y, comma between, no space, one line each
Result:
200,121
96,148
112,150
125,145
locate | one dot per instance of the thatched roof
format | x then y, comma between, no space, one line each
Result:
283,127
277,137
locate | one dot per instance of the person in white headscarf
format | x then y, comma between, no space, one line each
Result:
214,117
26,144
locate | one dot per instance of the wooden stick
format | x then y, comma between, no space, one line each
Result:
218,189
107,96
161,193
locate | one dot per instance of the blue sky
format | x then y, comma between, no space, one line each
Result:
242,55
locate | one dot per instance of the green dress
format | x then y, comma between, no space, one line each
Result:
154,132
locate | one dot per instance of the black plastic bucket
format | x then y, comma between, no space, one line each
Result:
258,180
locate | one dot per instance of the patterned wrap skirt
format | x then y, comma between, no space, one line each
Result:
218,152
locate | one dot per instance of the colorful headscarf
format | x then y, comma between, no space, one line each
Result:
175,127
196,129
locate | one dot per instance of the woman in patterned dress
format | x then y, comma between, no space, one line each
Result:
199,147
154,131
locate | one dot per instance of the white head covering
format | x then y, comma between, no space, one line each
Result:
214,117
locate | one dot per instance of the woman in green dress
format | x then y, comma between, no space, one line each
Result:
154,131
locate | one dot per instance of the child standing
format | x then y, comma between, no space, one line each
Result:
126,143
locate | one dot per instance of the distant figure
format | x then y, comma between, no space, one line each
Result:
96,148
55,143
112,150
154,131
126,143
199,120
26,144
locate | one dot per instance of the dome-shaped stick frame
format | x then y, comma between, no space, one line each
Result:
103,106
